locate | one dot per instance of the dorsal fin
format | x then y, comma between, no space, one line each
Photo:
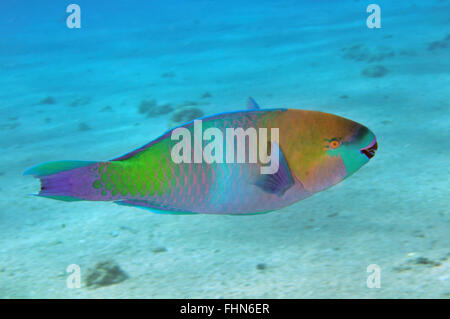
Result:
252,105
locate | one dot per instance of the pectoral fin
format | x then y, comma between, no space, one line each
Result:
279,182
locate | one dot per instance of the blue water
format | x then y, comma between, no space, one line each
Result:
75,94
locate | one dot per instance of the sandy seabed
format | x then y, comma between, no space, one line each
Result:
76,96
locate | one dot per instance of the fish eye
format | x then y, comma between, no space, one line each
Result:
334,143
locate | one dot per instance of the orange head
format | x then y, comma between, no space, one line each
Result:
322,149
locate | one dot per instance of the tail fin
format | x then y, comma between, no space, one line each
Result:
62,179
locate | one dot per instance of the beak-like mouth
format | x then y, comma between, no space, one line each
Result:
370,150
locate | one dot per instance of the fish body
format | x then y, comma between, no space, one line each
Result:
316,150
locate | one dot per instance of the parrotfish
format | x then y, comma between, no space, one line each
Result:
316,150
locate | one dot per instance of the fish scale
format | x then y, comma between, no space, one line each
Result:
148,177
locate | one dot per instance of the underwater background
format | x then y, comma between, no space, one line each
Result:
137,68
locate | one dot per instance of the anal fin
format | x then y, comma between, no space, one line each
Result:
155,208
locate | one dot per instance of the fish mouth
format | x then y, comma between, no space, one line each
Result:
370,150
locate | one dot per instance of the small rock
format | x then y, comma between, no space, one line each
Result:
418,233
359,52
147,106
104,273
83,127
188,103
80,101
425,261
261,266
408,52
152,109
443,258
441,44
163,109
13,126
376,71
186,115
48,100
402,268
169,74
379,56
160,249
437,45
206,95
131,230
356,52
106,109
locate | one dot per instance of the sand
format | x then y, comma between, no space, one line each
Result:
75,94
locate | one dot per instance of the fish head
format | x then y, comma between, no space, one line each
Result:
327,148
